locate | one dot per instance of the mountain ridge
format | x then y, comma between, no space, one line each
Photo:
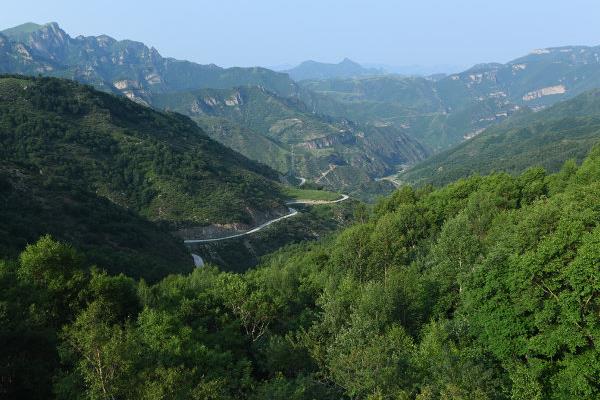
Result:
346,68
288,126
447,110
135,156
548,138
127,67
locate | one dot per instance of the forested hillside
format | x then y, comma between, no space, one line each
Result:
94,169
32,205
270,128
547,138
436,114
264,128
441,112
160,165
486,288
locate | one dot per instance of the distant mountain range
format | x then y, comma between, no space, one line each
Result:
417,70
446,111
318,70
344,121
567,130
127,67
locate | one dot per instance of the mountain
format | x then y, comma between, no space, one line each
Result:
160,166
22,32
126,66
547,138
486,288
317,70
320,145
444,111
417,70
119,240
422,108
335,152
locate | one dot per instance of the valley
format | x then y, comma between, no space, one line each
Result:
177,230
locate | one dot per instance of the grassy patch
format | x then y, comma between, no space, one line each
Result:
309,194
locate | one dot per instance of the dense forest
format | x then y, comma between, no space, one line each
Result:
160,165
486,288
114,178
547,138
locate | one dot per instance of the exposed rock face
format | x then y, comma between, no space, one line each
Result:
330,141
123,66
547,91
234,100
540,51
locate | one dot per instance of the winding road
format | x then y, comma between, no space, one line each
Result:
291,213
199,262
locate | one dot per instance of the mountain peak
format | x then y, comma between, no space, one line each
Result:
32,31
20,32
346,60
319,70
51,25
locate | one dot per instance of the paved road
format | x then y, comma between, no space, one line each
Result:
291,213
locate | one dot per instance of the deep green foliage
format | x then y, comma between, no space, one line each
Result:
487,288
271,128
159,165
547,138
94,169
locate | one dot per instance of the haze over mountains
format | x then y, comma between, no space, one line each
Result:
342,125
126,66
317,70
567,130
355,234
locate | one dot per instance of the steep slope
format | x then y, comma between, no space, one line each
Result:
443,112
317,70
159,165
486,288
126,67
437,118
547,138
336,152
111,236
346,154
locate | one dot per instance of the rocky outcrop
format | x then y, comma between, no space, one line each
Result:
547,91
330,141
234,100
103,61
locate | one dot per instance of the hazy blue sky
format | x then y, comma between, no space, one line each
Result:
272,32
